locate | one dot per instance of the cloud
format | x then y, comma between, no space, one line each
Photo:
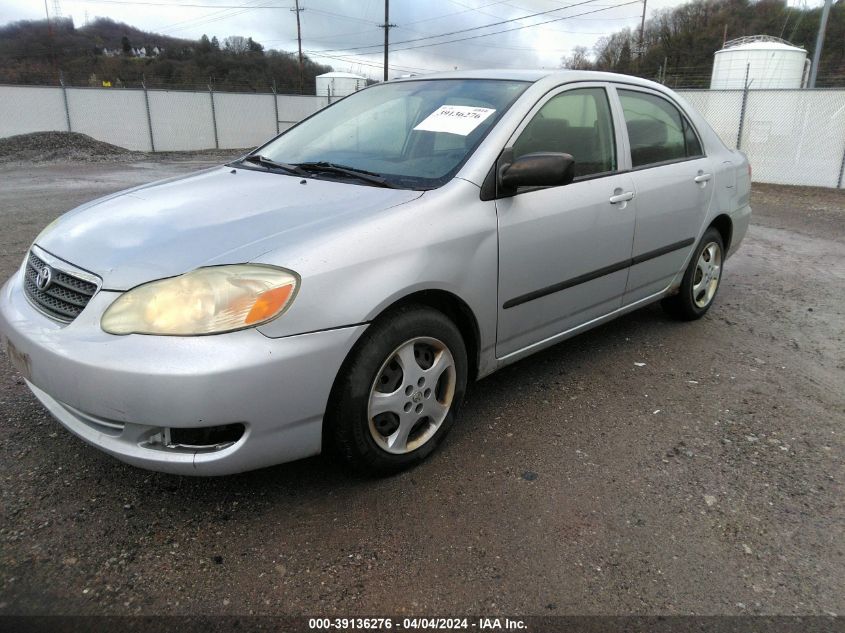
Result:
346,33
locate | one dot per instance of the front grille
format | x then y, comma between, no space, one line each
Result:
64,298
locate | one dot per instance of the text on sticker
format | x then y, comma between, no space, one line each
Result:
454,119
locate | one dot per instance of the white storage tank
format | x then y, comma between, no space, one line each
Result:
770,62
339,84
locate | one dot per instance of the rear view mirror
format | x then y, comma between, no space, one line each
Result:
540,169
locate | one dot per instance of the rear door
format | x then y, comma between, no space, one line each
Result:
673,180
564,251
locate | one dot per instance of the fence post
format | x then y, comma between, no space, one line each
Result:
149,118
276,105
64,96
742,108
213,116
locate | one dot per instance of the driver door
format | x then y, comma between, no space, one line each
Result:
564,252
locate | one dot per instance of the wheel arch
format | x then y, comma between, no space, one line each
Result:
444,301
457,310
724,225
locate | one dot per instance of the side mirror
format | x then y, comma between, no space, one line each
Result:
540,169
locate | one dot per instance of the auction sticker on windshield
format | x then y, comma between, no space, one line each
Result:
455,119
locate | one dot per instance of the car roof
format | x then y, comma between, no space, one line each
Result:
555,76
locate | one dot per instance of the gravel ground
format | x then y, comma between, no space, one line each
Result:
44,147
646,467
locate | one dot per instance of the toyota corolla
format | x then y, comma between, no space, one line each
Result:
339,287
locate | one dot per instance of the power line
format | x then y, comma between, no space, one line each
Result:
333,36
529,48
516,6
216,16
319,53
171,5
175,26
352,60
509,4
341,16
448,15
518,28
475,28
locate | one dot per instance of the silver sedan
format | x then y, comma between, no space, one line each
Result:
339,287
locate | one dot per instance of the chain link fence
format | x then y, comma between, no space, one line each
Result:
792,137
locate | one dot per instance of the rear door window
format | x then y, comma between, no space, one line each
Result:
657,131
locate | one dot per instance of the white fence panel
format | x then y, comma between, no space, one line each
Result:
721,109
118,117
26,109
244,120
181,120
294,108
795,137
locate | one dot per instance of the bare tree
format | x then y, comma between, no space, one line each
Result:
236,44
579,60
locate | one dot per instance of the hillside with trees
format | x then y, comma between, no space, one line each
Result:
37,52
678,44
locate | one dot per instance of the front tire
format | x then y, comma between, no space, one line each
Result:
399,392
701,279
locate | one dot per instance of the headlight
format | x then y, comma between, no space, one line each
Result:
204,301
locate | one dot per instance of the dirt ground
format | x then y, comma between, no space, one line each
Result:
708,480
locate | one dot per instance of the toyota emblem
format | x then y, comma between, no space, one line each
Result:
45,278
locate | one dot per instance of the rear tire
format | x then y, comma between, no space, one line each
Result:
399,393
701,279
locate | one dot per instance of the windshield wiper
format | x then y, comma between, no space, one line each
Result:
272,164
360,174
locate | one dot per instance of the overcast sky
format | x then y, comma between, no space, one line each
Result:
348,34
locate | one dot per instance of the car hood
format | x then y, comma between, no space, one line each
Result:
218,216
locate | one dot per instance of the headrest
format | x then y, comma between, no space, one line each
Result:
646,132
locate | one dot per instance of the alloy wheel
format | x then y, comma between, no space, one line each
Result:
708,270
411,395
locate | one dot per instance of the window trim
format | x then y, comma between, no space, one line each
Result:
689,124
541,102
684,120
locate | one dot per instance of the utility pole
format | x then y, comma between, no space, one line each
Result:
298,10
642,27
817,54
639,50
50,37
49,24
386,26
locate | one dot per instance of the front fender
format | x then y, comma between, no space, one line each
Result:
444,240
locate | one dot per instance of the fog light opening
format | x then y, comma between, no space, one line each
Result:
212,438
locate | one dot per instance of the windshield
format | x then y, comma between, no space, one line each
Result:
414,134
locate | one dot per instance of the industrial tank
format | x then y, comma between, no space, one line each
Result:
339,84
769,61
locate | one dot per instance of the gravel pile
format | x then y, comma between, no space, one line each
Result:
43,147
40,147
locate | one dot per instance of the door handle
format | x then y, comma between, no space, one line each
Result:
702,178
622,197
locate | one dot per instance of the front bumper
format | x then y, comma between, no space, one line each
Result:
118,393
